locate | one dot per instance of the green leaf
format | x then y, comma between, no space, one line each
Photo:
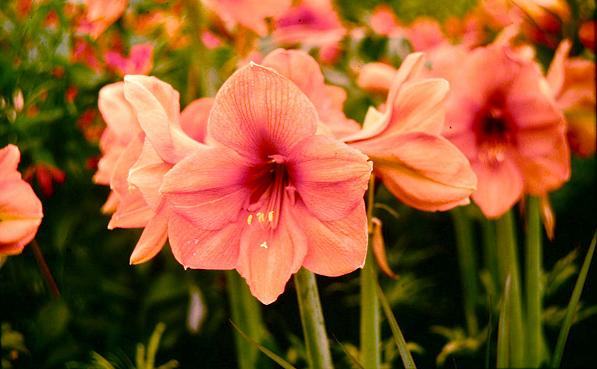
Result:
405,355
573,305
267,352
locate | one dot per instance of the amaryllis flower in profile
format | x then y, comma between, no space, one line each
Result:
303,70
419,166
572,81
20,209
502,115
248,13
269,195
312,23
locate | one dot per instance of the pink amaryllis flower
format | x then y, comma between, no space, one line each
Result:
249,13
506,122
269,195
416,163
20,209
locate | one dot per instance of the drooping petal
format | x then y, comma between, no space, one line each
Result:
258,112
18,201
193,119
335,247
556,72
249,13
424,171
126,159
197,248
376,77
156,105
268,258
9,160
208,187
152,239
330,176
499,187
132,212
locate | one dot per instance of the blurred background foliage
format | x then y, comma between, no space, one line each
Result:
108,310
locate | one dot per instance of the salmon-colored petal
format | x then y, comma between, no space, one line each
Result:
419,107
376,77
127,158
13,231
156,105
193,119
9,160
249,13
132,212
556,72
152,239
208,187
258,112
198,248
117,112
148,173
549,171
499,187
330,176
424,171
335,247
18,201
268,258
111,203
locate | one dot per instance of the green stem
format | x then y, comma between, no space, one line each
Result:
316,339
196,85
45,270
533,283
507,249
246,314
468,267
370,320
490,254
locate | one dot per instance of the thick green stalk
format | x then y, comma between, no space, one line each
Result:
246,314
507,249
490,253
370,320
197,83
533,283
316,339
468,267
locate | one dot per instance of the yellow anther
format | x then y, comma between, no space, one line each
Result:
250,219
261,217
270,216
264,245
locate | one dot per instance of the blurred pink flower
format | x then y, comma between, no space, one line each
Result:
100,14
46,175
248,13
572,81
417,165
506,122
20,209
312,23
269,195
139,61
586,33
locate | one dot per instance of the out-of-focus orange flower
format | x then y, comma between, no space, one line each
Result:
100,14
84,53
20,209
383,21
572,81
139,61
248,13
506,122
46,175
419,166
312,23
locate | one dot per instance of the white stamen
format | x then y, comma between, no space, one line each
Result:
264,245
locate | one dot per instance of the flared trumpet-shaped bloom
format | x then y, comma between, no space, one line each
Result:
20,209
502,115
269,195
249,13
572,81
416,163
303,70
